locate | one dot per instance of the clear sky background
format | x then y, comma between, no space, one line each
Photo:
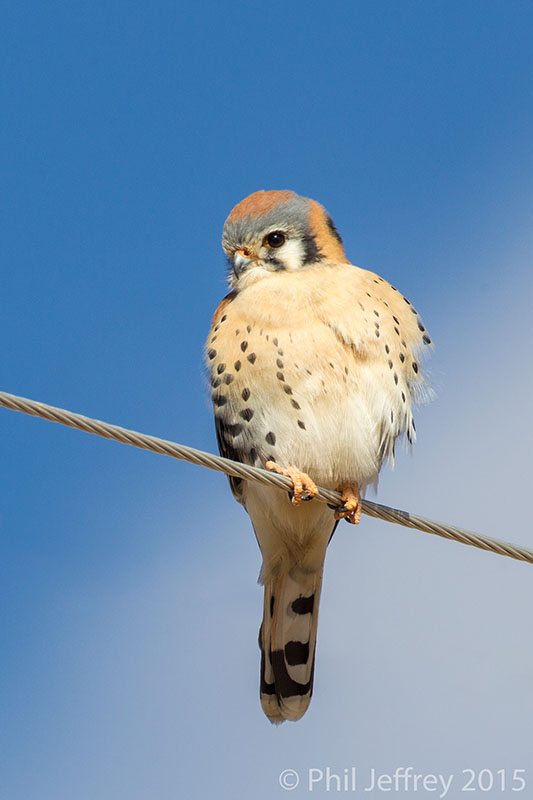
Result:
129,601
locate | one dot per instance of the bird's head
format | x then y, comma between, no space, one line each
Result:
270,231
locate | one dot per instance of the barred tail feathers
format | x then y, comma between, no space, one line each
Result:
287,639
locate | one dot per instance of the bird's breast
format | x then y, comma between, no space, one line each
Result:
285,389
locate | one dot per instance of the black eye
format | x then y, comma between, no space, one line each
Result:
275,239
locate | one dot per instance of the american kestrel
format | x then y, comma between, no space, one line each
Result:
314,367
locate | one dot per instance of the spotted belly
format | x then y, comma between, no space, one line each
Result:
274,401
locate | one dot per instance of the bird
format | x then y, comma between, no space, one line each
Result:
314,368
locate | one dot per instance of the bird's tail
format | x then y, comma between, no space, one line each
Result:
287,639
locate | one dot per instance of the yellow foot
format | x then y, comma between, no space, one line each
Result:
303,487
351,497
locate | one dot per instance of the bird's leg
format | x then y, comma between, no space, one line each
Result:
351,498
303,487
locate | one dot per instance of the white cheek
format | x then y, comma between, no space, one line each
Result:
292,254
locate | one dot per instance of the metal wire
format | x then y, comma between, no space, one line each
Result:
238,470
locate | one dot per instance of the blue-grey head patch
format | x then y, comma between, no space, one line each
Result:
290,215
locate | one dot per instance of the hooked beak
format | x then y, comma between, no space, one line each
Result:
241,262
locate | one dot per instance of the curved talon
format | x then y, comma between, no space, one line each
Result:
304,488
351,497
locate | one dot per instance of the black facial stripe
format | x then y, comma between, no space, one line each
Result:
274,262
333,229
312,253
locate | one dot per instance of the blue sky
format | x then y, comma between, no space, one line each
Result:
129,601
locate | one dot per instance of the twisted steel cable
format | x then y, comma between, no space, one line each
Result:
238,470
